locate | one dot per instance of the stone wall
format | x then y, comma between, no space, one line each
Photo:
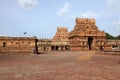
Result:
17,44
44,44
52,45
86,35
112,45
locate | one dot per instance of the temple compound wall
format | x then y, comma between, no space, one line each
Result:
112,45
59,42
44,44
85,36
17,44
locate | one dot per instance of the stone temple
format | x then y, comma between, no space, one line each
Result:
85,36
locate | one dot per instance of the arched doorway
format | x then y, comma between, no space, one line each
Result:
67,48
44,48
62,48
4,44
52,48
90,41
56,48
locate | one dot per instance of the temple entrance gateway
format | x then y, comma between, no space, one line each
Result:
52,48
56,48
86,35
90,42
4,44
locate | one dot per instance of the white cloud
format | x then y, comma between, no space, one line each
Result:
28,4
113,4
90,14
112,1
73,16
116,27
64,10
116,24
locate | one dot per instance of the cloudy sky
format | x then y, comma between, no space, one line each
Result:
41,17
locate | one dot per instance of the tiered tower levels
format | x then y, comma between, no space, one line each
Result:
61,34
86,27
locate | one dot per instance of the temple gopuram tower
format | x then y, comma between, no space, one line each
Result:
61,34
86,35
60,41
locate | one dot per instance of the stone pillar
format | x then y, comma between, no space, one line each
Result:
49,48
59,48
54,48
64,48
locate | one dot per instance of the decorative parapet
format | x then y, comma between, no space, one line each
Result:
85,20
86,27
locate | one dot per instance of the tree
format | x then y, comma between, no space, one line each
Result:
118,37
109,36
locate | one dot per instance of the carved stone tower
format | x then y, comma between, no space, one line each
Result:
61,34
86,35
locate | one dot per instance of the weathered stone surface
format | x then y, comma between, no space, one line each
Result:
86,35
17,44
60,66
61,34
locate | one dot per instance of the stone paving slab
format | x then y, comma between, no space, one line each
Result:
82,65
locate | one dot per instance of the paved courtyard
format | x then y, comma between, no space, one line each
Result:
81,65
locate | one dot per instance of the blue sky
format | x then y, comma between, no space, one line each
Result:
42,17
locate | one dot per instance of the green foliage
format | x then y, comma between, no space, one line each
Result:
109,36
118,37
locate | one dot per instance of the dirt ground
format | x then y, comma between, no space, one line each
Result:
81,65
